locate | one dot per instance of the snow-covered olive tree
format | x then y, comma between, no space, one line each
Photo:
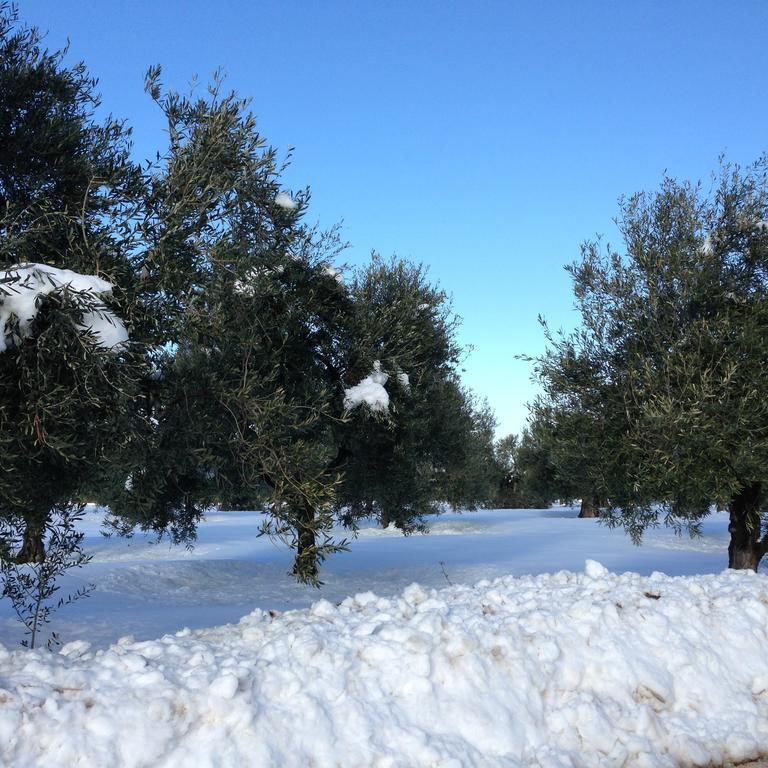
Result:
67,197
277,383
414,437
668,375
177,336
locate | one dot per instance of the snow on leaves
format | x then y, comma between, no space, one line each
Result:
369,391
22,287
286,201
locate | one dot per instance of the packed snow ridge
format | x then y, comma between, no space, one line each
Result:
22,286
590,669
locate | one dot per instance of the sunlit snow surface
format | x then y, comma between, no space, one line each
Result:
554,668
146,589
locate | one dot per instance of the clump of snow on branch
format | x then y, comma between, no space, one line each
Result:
369,391
286,201
23,286
331,271
404,381
566,669
246,286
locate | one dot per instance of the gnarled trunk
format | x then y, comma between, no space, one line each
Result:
590,506
305,566
747,546
32,546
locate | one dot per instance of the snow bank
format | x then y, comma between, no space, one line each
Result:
23,285
567,669
369,391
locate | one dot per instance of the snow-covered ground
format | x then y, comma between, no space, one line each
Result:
518,662
146,589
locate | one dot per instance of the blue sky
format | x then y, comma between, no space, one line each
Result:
486,140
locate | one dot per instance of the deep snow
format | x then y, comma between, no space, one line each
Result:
588,668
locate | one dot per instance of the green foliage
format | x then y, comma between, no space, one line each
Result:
507,474
31,588
526,475
239,400
68,194
244,339
554,452
434,444
260,339
539,484
66,185
667,380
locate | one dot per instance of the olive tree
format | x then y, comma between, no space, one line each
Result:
668,374
68,369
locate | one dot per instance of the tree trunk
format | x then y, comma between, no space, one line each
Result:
747,547
590,506
305,566
32,546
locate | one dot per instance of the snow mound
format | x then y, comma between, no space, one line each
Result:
563,669
369,391
24,285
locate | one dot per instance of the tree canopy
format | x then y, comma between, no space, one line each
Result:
666,382
275,383
68,192
175,336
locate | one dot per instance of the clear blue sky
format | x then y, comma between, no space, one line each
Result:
484,139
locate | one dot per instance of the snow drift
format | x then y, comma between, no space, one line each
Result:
563,669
